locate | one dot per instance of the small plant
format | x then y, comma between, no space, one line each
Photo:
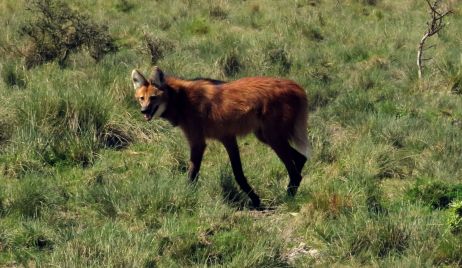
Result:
57,31
455,216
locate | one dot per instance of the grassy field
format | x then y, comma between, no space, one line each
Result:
85,182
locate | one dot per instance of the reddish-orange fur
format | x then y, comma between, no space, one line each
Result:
239,107
274,109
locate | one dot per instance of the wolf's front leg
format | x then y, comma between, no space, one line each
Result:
197,152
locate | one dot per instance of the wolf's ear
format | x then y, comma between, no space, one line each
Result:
138,79
157,78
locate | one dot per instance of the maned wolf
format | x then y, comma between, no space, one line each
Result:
274,109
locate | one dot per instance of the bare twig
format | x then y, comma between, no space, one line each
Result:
434,26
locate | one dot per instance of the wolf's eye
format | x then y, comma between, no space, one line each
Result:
142,98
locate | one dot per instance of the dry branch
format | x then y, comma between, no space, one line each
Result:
434,26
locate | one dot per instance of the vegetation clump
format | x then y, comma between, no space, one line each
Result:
455,216
12,76
218,12
124,6
279,57
156,47
231,64
437,194
58,31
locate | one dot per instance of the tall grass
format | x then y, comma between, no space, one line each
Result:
86,182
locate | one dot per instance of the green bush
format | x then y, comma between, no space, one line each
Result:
455,216
436,194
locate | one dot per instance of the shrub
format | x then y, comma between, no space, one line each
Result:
156,47
437,194
57,31
455,216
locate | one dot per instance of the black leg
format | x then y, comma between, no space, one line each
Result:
298,158
197,152
230,144
284,152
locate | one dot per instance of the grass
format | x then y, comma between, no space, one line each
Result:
86,182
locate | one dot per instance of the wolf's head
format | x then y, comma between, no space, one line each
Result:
151,94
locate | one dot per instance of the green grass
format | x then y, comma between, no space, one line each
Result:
86,182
